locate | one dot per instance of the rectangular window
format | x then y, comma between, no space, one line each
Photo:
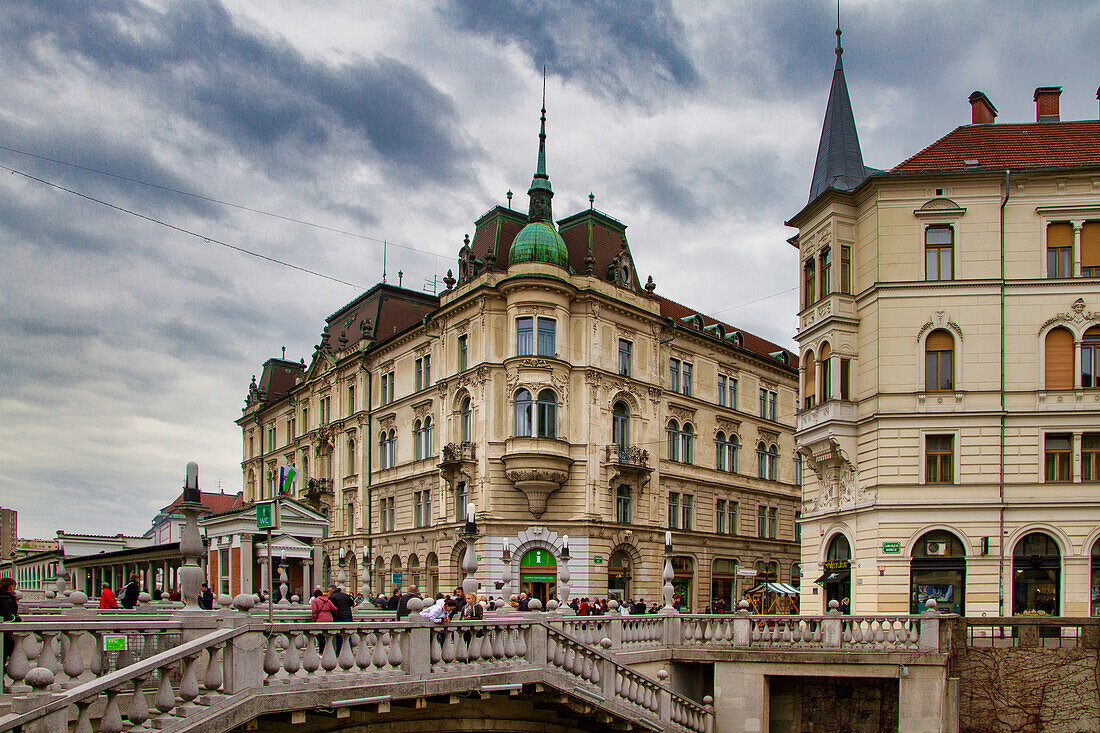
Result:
326,416
251,446
673,510
525,336
826,270
939,246
305,419
939,459
939,362
674,375
625,348
223,571
721,390
826,379
460,502
418,379
422,508
547,337
351,399
1090,457
622,505
845,378
809,290
291,430
773,523
1059,457
687,369
349,517
427,370
387,515
732,516
798,526
733,393
720,516
1090,249
762,521
387,388
462,353
846,269
764,403
773,399
1060,250
686,506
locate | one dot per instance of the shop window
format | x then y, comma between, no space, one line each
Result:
1036,576
937,570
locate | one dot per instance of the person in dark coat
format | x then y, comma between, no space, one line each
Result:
523,604
391,604
403,603
342,601
130,592
9,611
206,598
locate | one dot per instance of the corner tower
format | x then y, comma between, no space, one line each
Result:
839,162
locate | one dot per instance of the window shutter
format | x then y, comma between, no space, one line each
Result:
939,340
1060,234
1090,244
1059,359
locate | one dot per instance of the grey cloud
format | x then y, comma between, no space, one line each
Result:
260,93
620,51
666,193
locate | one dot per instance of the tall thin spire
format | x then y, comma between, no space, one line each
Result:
839,162
541,192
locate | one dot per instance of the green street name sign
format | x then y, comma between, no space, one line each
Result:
891,548
598,559
266,516
114,643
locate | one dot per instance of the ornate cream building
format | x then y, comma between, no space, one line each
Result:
950,336
551,389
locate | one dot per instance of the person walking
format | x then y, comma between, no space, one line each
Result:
343,603
130,592
403,602
107,597
321,611
522,605
391,604
206,598
9,612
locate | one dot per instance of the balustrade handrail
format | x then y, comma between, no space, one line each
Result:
114,679
32,625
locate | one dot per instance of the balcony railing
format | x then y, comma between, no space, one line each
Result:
630,455
455,452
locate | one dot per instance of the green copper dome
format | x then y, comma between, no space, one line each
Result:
539,242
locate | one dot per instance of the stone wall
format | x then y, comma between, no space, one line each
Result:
1028,690
836,705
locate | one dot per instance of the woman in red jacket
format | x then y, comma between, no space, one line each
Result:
107,597
322,611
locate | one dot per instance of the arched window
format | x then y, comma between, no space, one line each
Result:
431,565
393,447
417,436
673,440
826,373
414,571
1090,358
383,453
426,438
687,444
620,425
732,448
809,380
761,460
1058,359
838,572
548,414
351,457
773,462
467,421
938,570
720,451
525,417
939,362
618,576
809,291
1036,575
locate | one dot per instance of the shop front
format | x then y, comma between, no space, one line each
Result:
1036,576
837,578
618,576
538,575
723,585
937,570
1094,580
683,569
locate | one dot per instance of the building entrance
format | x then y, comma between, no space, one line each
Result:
538,575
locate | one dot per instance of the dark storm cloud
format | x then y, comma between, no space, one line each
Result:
259,93
620,51
666,193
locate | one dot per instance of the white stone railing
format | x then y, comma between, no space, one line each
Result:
831,631
625,632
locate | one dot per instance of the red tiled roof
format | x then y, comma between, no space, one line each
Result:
1000,146
608,239
763,347
213,503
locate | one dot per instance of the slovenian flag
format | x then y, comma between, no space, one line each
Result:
287,474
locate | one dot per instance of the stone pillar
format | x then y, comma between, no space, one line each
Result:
247,558
191,575
921,691
741,695
1077,224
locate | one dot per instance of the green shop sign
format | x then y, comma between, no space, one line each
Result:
114,643
539,576
538,558
891,548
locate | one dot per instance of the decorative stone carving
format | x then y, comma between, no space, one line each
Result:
939,319
727,425
386,422
422,409
838,484
682,413
537,467
1076,315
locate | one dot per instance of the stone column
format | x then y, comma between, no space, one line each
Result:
247,559
1077,224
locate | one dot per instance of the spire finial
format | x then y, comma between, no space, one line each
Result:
540,171
839,47
540,191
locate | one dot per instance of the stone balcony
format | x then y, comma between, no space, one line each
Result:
627,465
458,463
834,415
538,467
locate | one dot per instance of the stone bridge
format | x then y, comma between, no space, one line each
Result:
235,670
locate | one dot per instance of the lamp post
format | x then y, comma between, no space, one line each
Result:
364,574
341,576
563,577
190,574
469,560
667,576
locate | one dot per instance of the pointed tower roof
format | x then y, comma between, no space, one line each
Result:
839,160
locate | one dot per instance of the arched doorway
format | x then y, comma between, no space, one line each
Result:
618,576
431,564
723,585
1094,586
326,571
837,578
683,569
538,574
353,575
937,569
397,578
1036,576
414,573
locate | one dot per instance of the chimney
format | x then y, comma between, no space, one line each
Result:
982,111
1046,104
1098,93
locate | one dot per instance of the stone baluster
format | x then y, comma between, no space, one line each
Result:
272,665
18,663
312,660
166,697
189,683
111,722
363,651
83,722
214,676
139,706
73,664
328,656
345,659
284,588
292,661
47,658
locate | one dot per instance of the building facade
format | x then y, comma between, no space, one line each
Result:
560,396
949,331
9,532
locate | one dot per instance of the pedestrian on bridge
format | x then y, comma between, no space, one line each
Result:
9,611
107,597
131,592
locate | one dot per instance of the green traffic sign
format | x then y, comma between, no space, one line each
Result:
891,548
114,643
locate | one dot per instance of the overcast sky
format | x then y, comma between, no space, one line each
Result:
126,347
